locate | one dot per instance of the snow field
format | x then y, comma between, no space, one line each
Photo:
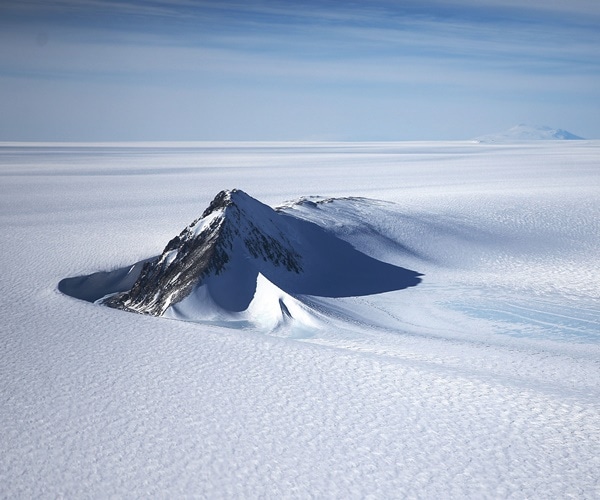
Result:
228,413
482,381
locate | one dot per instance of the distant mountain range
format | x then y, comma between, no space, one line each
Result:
523,132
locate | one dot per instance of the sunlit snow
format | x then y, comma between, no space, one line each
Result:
481,381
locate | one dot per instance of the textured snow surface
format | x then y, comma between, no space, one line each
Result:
482,381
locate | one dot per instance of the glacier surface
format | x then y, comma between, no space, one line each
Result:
482,381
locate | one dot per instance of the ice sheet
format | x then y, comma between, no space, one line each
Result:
483,381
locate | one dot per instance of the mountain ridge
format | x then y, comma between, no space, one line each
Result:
203,248
241,251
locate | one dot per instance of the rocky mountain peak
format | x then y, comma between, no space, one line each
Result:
224,199
234,228
244,259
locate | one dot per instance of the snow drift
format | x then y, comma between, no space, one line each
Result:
242,261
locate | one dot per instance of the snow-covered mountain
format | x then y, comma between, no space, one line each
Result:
244,261
523,132
233,228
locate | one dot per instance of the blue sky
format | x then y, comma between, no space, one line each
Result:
105,70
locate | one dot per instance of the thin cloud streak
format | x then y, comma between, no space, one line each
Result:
425,47
361,51
161,64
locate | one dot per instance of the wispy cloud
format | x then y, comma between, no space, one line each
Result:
417,48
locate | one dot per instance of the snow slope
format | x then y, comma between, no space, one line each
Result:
237,239
482,381
523,132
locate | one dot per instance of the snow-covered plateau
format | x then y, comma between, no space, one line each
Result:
445,343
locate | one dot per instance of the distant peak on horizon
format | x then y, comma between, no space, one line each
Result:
524,132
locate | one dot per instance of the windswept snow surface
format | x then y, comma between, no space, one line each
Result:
482,381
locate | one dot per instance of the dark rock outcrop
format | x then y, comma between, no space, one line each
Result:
233,223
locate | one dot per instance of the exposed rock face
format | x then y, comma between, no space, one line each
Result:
233,226
214,267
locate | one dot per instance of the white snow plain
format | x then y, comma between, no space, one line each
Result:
481,381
